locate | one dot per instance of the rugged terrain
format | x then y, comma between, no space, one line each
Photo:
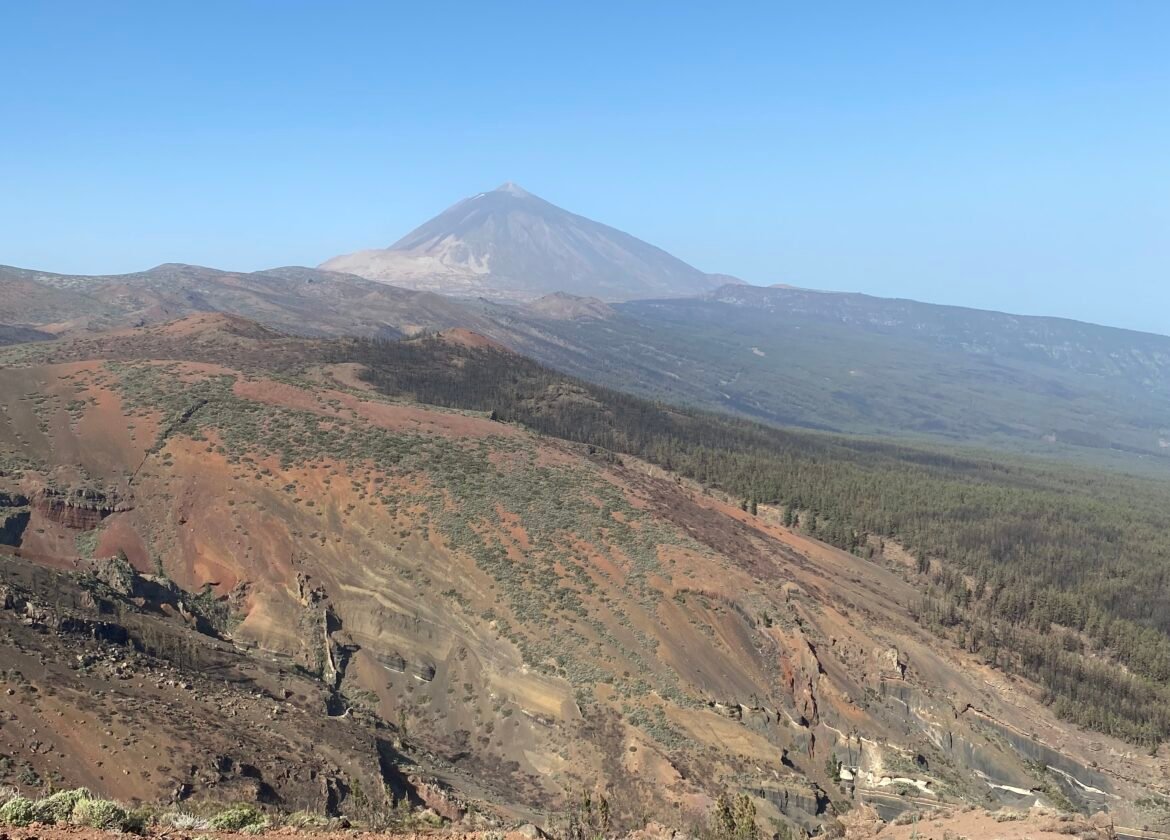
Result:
342,595
509,244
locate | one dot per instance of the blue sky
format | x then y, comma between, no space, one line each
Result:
997,154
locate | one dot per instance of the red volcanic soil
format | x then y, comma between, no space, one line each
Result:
396,417
198,324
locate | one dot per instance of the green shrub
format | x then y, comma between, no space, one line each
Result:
18,811
139,819
58,807
237,818
101,814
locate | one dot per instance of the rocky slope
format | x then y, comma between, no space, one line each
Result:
510,244
523,616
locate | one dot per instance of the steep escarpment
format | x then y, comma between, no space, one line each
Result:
79,509
128,694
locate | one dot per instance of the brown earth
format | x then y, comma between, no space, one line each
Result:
861,824
512,617
998,826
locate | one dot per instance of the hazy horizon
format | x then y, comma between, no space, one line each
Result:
1008,159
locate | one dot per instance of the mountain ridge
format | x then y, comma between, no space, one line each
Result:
730,292
296,299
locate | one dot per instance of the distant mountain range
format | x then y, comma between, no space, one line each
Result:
509,244
602,305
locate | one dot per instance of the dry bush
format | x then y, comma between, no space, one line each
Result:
860,823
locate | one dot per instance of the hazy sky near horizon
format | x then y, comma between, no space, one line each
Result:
1004,155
